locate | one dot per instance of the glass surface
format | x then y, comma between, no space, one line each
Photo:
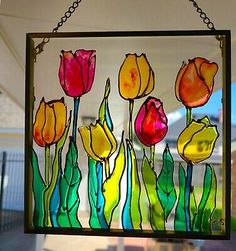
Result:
98,132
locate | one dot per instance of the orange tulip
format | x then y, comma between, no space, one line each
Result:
50,122
195,81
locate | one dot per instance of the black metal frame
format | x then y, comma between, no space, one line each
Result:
225,35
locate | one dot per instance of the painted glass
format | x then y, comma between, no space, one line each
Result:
100,133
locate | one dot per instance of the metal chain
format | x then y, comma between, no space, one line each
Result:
203,16
206,20
39,48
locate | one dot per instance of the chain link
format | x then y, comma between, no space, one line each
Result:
39,48
203,16
206,20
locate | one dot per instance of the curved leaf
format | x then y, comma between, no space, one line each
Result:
96,199
165,184
55,201
111,187
104,113
180,219
193,207
156,212
207,204
38,187
131,214
70,180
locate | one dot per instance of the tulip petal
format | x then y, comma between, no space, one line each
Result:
60,116
49,129
150,84
193,91
206,121
86,140
198,61
70,74
178,80
208,72
91,72
201,145
138,123
86,59
100,142
151,122
186,135
153,129
39,123
144,70
129,77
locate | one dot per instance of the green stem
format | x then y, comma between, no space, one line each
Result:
131,107
55,170
49,190
188,183
107,168
152,156
188,115
187,196
47,165
75,117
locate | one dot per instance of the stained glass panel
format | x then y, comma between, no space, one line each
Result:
118,139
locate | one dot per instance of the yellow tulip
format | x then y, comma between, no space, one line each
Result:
136,77
196,142
99,142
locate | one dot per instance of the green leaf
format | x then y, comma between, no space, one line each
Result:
92,193
104,113
180,220
95,195
111,187
156,212
193,206
207,204
131,214
70,180
165,184
38,187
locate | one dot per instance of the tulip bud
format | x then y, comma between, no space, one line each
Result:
151,122
136,77
50,122
196,142
98,140
195,81
76,71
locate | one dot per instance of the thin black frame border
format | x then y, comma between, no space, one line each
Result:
226,35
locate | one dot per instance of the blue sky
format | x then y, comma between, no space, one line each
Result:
211,107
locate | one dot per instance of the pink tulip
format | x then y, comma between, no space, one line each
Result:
151,122
76,71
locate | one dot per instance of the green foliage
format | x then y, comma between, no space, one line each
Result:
180,219
95,195
202,221
131,214
233,224
165,184
38,187
70,180
156,212
111,186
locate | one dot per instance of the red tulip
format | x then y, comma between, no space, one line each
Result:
195,81
151,122
76,71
